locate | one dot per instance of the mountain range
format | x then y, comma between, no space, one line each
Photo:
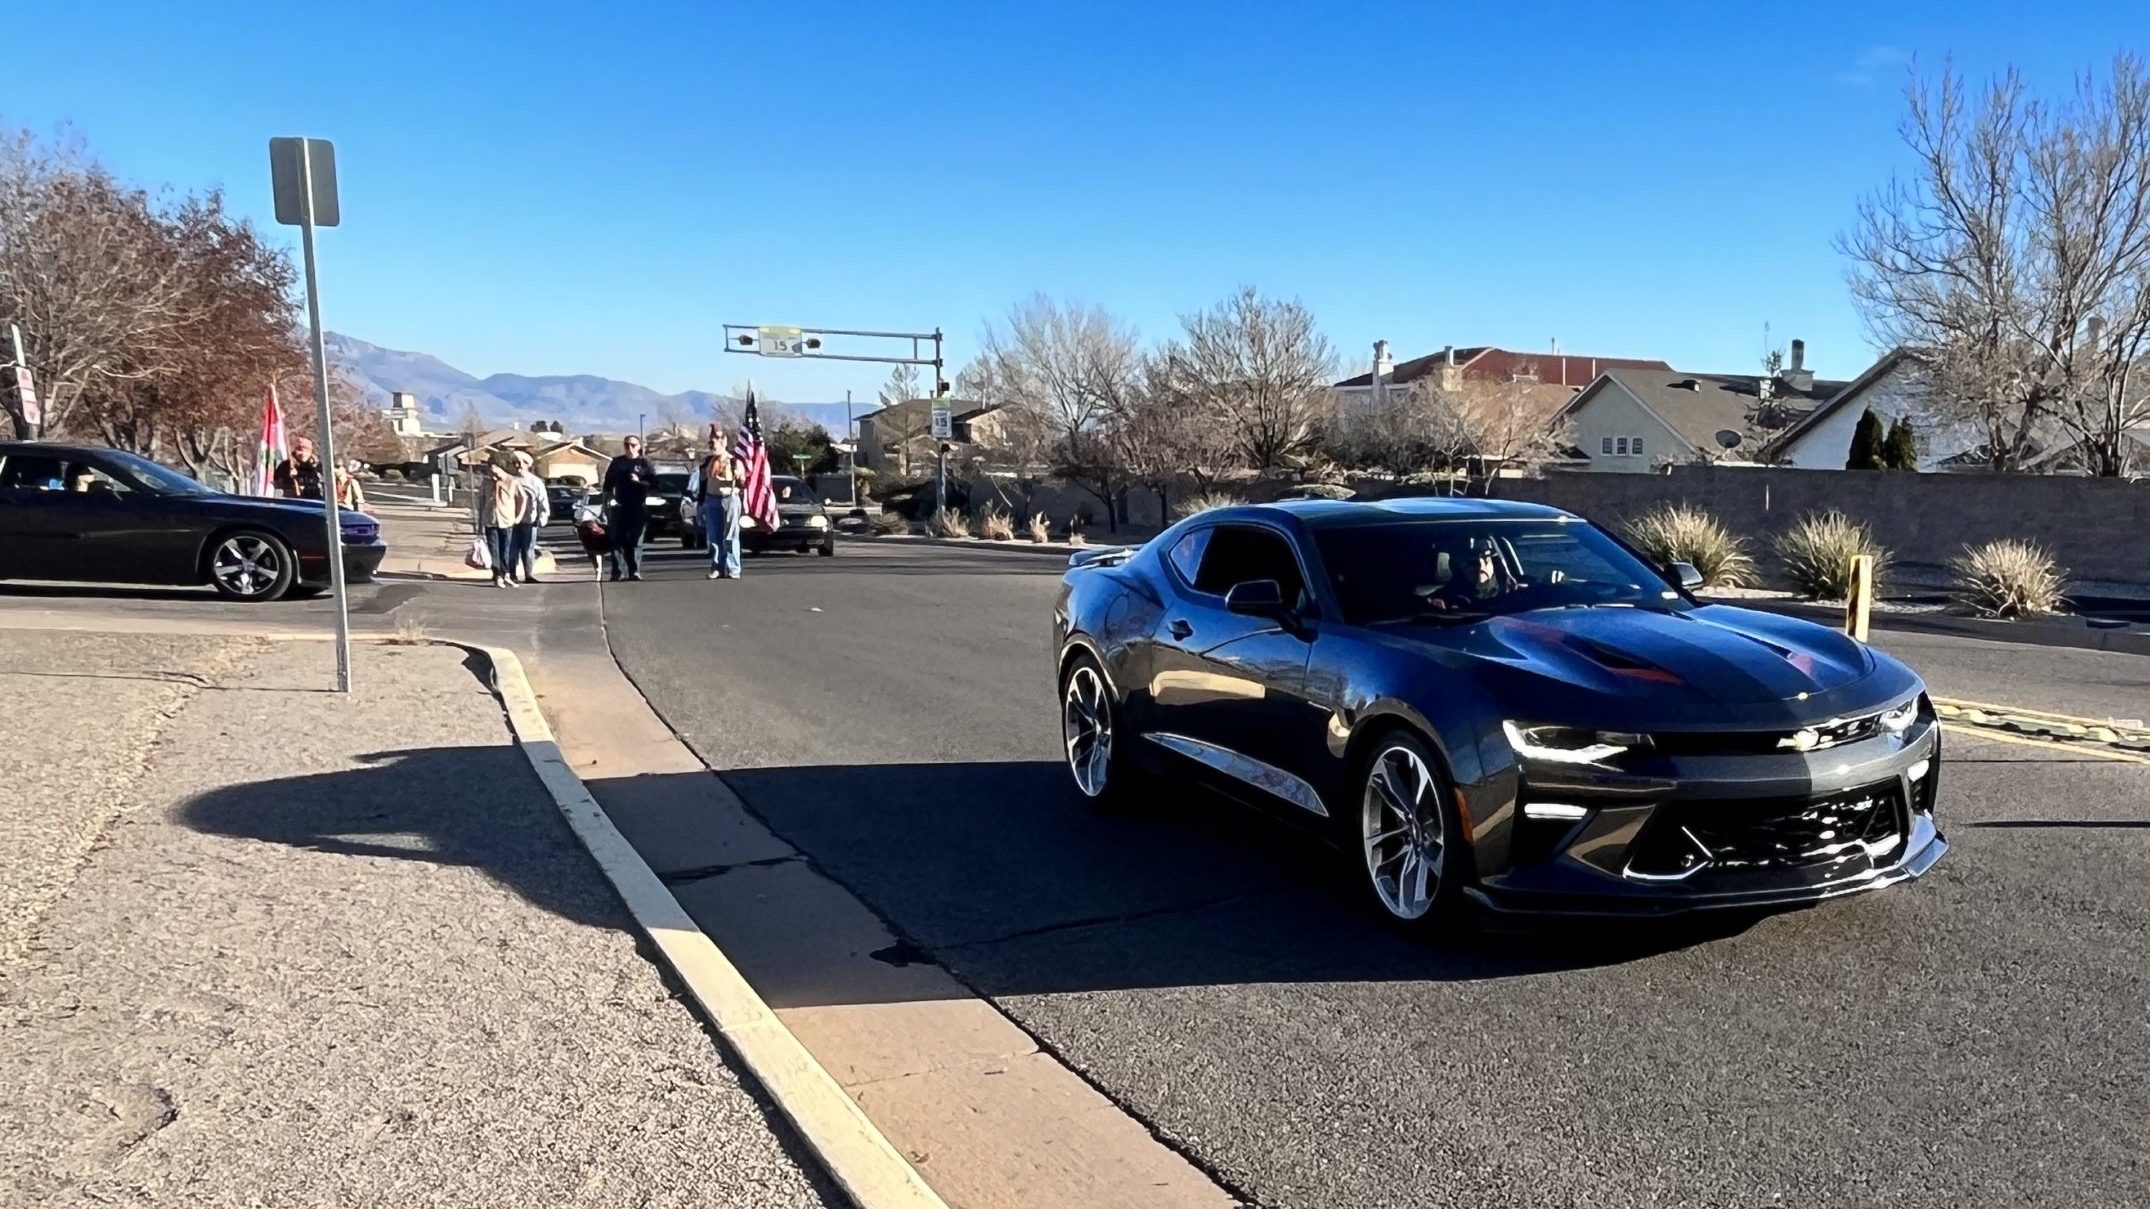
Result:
584,403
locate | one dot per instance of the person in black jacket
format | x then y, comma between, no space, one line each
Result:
299,476
627,484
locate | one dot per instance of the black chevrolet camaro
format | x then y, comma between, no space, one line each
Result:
89,515
1496,703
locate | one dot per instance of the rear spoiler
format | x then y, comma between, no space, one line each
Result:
1101,556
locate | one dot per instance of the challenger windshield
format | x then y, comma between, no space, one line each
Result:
1463,570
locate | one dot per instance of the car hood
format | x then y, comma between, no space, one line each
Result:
1712,664
277,506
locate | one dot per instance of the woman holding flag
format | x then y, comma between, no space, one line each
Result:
719,494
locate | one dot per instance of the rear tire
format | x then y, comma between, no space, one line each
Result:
1405,837
250,565
1099,751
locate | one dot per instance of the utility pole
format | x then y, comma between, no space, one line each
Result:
851,434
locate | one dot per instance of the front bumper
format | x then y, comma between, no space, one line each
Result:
1720,831
360,561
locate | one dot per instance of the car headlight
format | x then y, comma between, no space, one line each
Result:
1899,720
1569,744
817,522
746,522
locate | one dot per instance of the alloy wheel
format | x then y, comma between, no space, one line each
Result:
1086,725
246,565
1401,829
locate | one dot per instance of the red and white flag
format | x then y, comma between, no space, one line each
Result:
274,448
753,458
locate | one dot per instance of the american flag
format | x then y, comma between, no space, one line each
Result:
753,468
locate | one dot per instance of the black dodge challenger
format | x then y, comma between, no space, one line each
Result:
84,514
1496,703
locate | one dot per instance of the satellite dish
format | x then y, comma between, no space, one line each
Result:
1728,439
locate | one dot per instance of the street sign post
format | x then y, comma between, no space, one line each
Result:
303,174
944,424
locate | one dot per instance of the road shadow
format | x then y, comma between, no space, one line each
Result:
1005,875
478,807
959,562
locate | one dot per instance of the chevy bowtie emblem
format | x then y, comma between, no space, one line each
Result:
1804,740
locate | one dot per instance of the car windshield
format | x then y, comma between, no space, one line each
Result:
152,475
672,481
1462,570
792,491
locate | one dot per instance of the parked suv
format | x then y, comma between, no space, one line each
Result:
803,520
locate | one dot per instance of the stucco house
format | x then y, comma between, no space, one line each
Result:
1895,387
886,435
1634,421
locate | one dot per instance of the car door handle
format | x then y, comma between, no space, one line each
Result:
1180,630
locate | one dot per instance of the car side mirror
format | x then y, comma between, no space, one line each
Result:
1685,575
1256,598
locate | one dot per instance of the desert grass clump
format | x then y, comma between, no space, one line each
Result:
2008,578
1680,533
1817,553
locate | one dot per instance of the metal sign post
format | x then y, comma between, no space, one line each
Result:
303,172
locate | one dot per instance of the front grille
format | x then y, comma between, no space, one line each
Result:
1764,742
1835,835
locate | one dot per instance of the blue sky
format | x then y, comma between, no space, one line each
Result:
553,188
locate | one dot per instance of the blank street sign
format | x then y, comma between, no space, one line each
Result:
286,174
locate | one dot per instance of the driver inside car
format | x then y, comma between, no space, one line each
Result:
1479,575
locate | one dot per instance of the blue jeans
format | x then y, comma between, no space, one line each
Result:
720,525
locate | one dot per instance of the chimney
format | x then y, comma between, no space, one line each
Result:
1796,374
1384,369
1448,355
2094,335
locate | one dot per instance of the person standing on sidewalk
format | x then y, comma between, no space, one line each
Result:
720,507
526,532
627,483
502,510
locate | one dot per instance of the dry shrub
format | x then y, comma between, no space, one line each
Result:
410,631
1076,524
2008,578
995,525
1817,552
1041,529
1677,533
950,523
1195,505
890,522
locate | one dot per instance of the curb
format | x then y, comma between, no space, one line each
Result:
2072,633
1049,549
851,1149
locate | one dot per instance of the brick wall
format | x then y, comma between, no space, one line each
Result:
2096,528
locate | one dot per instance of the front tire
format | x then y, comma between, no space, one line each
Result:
1407,836
1097,750
251,565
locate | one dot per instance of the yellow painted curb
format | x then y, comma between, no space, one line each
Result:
2022,712
2081,749
872,1173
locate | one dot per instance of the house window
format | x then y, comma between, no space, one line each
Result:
1605,445
1620,446
1634,446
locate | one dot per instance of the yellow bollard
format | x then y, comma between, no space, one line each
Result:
1859,601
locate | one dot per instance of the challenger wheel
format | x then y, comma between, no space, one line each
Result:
251,565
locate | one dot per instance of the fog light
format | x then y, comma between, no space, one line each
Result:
1554,811
1919,770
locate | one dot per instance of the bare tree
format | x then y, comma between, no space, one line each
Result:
2016,260
1410,428
1260,365
908,428
1069,370
82,271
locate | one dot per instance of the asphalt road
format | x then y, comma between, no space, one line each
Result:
1974,1039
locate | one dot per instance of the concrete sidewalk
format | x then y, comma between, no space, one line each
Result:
429,541
263,945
